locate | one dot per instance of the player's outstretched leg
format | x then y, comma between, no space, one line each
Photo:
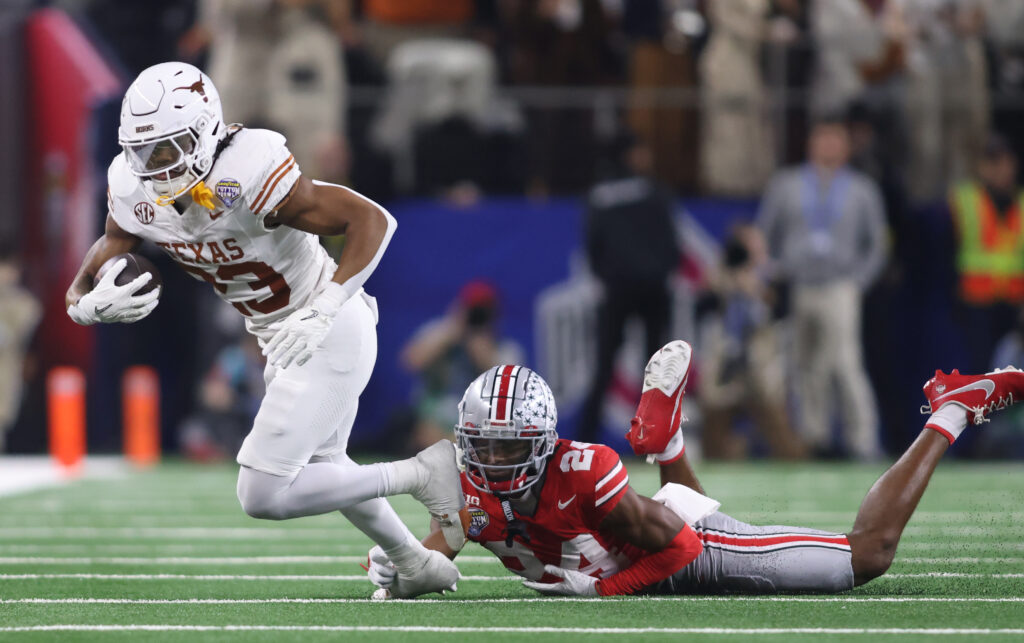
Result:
432,477
656,429
954,400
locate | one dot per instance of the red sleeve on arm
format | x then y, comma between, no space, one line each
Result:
608,484
650,569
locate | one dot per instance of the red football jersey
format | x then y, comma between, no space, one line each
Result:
583,484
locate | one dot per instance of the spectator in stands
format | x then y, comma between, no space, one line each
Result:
947,101
742,368
861,54
279,64
19,314
448,353
632,249
988,216
141,34
736,144
825,227
790,64
561,43
229,397
1004,36
663,41
387,24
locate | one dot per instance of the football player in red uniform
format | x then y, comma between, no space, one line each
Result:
562,514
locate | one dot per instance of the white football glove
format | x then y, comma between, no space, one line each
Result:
302,332
109,303
573,583
382,571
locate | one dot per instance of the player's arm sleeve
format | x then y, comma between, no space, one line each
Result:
655,567
619,511
276,177
609,482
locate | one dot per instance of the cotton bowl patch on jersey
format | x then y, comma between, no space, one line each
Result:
228,191
478,521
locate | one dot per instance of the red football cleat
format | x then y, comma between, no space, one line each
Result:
979,394
660,412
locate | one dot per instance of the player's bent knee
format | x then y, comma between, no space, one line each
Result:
258,493
868,565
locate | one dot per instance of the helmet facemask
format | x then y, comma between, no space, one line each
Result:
502,458
173,163
506,430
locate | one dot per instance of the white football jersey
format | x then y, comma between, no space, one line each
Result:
264,273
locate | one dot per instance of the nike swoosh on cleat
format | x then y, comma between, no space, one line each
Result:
563,505
988,385
100,309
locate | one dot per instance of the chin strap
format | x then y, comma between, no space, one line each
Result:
514,527
200,194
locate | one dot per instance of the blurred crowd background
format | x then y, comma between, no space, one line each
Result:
823,196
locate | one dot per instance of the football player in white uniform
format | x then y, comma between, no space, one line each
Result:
231,207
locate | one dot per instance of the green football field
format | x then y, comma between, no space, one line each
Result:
167,555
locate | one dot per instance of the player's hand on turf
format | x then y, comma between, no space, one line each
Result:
381,570
109,303
302,332
573,583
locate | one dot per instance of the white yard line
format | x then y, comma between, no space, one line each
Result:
205,560
160,548
220,577
362,577
300,560
978,534
476,601
180,533
961,560
497,630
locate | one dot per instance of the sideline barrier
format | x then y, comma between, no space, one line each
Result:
65,388
140,394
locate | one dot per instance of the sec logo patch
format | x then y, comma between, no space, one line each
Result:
478,521
228,191
144,212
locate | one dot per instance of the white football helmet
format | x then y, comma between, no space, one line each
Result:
506,429
171,122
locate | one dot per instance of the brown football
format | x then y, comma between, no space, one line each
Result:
137,264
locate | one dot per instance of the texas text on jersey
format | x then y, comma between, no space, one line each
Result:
582,484
264,272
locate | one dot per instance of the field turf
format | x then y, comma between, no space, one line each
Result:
167,555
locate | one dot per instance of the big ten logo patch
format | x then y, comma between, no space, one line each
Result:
228,191
144,212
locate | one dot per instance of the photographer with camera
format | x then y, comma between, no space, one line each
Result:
448,353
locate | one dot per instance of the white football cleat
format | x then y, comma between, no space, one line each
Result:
437,574
441,493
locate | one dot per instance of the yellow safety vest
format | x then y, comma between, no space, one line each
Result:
990,258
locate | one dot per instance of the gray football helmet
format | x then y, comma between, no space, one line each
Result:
506,429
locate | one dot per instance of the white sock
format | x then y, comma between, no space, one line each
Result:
950,421
402,476
410,554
